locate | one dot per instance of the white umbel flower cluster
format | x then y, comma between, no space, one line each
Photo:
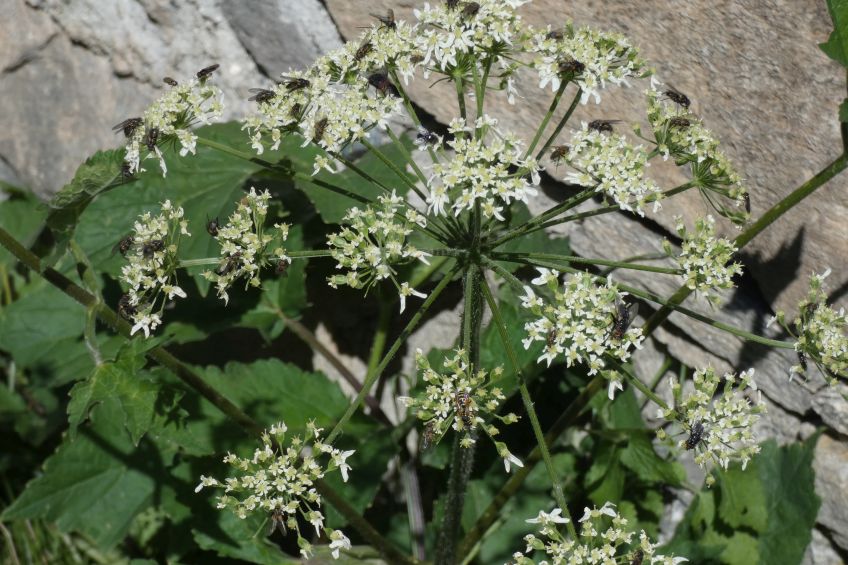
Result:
245,245
681,135
819,332
460,399
169,119
705,258
373,242
578,321
279,482
152,270
590,58
718,427
604,539
459,34
340,97
481,171
607,162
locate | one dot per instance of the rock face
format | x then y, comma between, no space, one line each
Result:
760,82
75,69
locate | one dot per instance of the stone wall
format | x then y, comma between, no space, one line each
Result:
71,70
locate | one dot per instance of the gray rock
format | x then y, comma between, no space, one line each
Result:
821,551
831,466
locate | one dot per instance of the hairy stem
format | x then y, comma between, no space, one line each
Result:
546,120
561,124
585,261
528,406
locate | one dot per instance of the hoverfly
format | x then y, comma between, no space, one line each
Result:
429,435
261,95
384,86
462,406
638,557
228,264
559,152
696,435
151,138
212,227
452,4
320,129
602,125
622,318
124,245
169,81
425,138
293,84
128,126
125,308
364,49
571,66
551,339
470,9
149,248
678,122
295,111
387,21
555,34
206,72
278,522
677,97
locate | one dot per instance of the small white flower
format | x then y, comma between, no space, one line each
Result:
340,460
338,541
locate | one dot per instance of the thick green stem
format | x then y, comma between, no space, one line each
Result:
460,97
555,210
394,168
561,124
546,120
493,512
462,458
528,406
161,356
585,261
372,378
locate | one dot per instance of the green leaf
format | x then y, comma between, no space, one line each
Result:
843,111
246,541
99,173
639,456
22,215
42,331
332,206
836,46
95,484
123,381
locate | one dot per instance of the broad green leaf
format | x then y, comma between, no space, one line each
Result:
492,351
333,206
247,541
22,215
124,381
95,484
639,456
843,111
836,46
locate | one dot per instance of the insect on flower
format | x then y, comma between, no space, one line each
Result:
261,95
624,315
603,125
282,267
559,152
470,9
802,360
387,21
296,111
747,199
556,34
320,129
638,557
696,435
151,138
169,81
206,72
128,126
677,97
364,49
451,4
462,402
571,66
124,245
212,227
429,436
293,84
150,247
425,138
678,122
278,522
229,264
384,86
126,170
125,308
